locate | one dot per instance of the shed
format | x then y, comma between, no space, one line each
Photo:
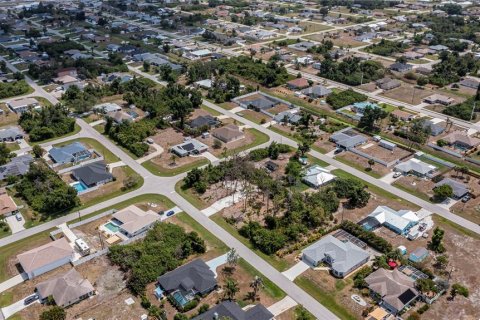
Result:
387,144
418,255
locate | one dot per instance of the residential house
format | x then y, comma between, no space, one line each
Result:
66,289
423,70
317,91
67,72
133,221
470,83
187,281
388,83
403,115
73,152
203,121
11,134
418,255
288,116
416,167
16,167
394,290
46,257
298,84
22,105
93,174
387,144
438,48
436,126
439,99
302,46
342,257
459,189
231,310
398,221
188,147
261,103
413,55
228,133
107,107
316,176
461,140
348,138
197,54
8,207
401,67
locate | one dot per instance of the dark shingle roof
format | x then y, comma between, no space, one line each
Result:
231,310
194,275
92,173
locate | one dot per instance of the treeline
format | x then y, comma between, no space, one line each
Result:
46,123
45,191
131,135
58,48
271,74
351,71
165,247
11,89
452,68
345,98
386,47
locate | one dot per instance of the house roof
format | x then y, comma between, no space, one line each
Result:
195,275
317,91
317,176
134,219
402,114
17,166
44,255
459,189
438,98
415,165
68,153
66,288
461,137
348,138
291,116
189,146
298,83
10,132
7,204
231,310
201,121
400,66
22,102
228,133
394,287
399,219
93,173
345,255
107,107
261,103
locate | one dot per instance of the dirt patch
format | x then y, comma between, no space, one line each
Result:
416,185
407,93
362,162
384,154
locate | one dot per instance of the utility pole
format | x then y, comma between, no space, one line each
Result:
473,110
413,94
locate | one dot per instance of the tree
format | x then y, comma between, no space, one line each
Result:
232,258
130,182
302,314
422,81
54,313
38,151
371,162
146,66
303,148
256,284
370,117
441,262
294,172
436,243
5,153
231,288
457,288
441,193
180,316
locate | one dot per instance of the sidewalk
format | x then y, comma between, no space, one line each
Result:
222,204
159,150
12,282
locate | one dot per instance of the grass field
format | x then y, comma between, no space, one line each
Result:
165,172
189,196
260,138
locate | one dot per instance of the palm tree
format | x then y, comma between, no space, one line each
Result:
371,162
256,284
231,288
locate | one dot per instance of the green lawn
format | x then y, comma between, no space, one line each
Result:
313,160
100,148
166,172
214,113
260,138
75,131
277,263
440,220
269,287
325,298
13,146
190,196
359,167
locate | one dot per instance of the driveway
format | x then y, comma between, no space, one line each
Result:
216,262
282,306
296,270
388,178
16,307
14,224
12,282
222,204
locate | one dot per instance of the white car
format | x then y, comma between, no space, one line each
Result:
397,174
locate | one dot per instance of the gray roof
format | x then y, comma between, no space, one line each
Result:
10,133
316,91
231,310
261,103
93,173
69,153
348,138
17,166
195,275
188,147
288,115
201,121
345,255
415,165
459,189
435,127
401,66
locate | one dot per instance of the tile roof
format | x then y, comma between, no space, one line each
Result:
134,219
44,255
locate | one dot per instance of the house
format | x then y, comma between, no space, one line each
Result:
423,70
302,46
401,67
438,48
66,289
418,255
16,167
73,152
470,83
67,72
133,221
439,99
436,126
413,55
190,146
342,257
297,84
228,133
93,174
7,205
120,116
416,167
348,138
461,140
205,84
288,116
45,258
261,103
398,221
22,105
203,121
359,107
11,134
459,189
107,107
317,91
187,281
403,115
388,83
394,290
197,54
232,311
316,176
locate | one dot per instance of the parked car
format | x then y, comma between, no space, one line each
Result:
150,141
337,151
18,216
466,198
170,213
422,226
397,174
161,212
30,299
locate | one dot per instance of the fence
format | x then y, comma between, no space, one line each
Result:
419,155
365,155
450,152
82,222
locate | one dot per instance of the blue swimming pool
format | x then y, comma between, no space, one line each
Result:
80,186
112,227
181,300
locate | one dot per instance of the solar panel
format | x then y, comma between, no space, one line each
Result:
407,296
188,147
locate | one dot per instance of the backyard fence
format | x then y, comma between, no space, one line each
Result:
450,152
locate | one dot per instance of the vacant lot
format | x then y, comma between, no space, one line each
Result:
379,152
361,163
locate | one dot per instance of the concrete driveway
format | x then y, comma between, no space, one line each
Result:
388,178
16,307
296,270
14,224
282,306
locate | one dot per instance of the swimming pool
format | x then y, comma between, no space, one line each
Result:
111,226
181,300
79,186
